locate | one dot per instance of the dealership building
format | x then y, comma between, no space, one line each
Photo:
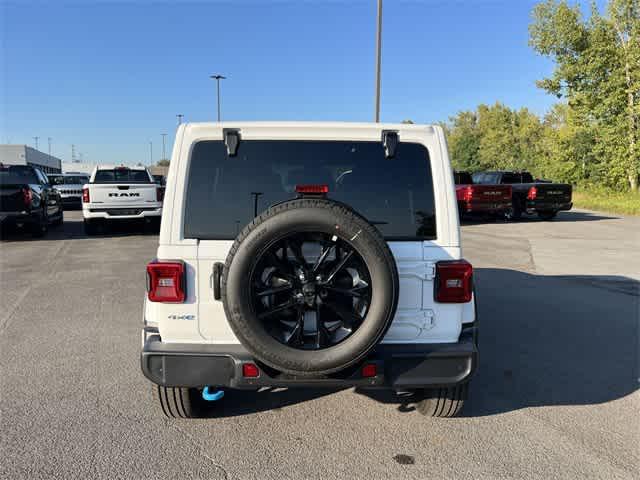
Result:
25,155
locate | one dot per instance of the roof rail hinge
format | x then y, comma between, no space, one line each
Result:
231,140
390,140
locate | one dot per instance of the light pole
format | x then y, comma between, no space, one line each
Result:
217,78
164,156
378,60
179,115
36,139
49,150
151,152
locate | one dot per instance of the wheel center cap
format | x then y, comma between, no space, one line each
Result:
309,292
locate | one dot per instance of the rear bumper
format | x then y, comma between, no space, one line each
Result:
546,206
120,212
399,366
17,218
485,207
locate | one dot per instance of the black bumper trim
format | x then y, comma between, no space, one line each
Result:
400,366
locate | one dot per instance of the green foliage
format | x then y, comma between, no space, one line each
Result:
597,70
163,163
593,135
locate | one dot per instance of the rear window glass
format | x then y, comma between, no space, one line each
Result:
395,194
17,174
68,180
462,178
121,175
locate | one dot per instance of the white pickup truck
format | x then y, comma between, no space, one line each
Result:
309,255
120,194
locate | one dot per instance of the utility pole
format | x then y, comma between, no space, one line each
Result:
179,118
36,139
151,152
378,60
49,150
164,155
73,153
217,78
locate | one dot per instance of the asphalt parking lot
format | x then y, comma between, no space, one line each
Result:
556,394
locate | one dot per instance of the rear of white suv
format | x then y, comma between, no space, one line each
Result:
120,194
309,254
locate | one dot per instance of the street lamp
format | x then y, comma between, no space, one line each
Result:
164,155
36,139
151,152
179,115
217,78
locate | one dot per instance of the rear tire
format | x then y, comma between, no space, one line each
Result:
60,220
547,215
180,402
515,212
443,402
90,228
40,228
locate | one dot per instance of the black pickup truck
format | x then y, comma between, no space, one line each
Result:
529,195
27,199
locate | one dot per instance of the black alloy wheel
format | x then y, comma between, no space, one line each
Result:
311,290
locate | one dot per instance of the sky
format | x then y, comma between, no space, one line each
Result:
110,77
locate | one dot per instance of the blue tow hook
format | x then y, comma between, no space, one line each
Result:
212,395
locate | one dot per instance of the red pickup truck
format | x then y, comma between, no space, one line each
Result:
492,200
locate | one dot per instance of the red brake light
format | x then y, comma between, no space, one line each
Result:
533,193
312,188
468,194
85,195
454,281
369,370
165,282
160,194
27,197
250,370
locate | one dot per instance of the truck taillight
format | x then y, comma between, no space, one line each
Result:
85,195
454,281
159,194
27,197
468,194
166,282
532,194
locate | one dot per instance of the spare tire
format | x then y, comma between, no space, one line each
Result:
310,287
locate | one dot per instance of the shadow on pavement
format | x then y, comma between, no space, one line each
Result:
73,228
570,216
544,341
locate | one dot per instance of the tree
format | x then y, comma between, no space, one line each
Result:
598,72
163,163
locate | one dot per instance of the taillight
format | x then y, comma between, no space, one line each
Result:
85,195
533,193
312,189
165,282
508,193
454,281
27,197
250,370
369,370
159,194
468,194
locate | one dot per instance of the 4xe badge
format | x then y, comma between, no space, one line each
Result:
124,194
181,317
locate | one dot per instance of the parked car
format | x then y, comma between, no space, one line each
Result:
530,196
309,255
120,194
70,187
494,200
27,199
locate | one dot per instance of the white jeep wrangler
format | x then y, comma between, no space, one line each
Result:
309,255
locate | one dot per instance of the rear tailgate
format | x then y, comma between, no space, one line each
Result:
122,194
552,195
12,198
490,193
